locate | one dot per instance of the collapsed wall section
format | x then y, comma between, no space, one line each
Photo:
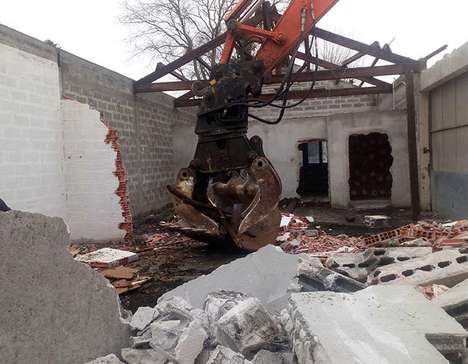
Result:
55,310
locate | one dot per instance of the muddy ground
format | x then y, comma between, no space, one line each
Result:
171,259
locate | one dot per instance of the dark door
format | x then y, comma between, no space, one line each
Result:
313,175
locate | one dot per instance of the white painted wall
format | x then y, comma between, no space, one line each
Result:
341,126
93,208
31,145
53,158
280,144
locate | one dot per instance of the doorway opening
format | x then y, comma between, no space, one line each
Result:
370,160
313,174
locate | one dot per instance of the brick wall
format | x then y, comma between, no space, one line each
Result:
31,176
144,124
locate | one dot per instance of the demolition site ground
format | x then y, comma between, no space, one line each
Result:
170,259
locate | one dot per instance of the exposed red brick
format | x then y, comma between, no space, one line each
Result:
122,191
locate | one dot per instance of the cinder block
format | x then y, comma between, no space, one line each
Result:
448,267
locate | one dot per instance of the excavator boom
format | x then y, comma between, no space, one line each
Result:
230,191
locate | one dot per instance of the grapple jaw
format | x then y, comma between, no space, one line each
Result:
243,210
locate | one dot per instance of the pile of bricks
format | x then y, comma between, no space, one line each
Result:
297,239
438,234
122,191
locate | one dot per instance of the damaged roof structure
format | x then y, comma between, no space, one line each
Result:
339,284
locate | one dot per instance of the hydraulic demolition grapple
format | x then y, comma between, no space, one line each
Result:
230,190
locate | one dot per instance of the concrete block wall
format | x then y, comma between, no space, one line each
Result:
89,163
34,168
31,175
341,126
322,106
144,122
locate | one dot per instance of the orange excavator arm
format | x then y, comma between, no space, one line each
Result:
230,190
291,28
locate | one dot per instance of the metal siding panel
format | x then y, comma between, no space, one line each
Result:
462,150
448,105
462,100
436,109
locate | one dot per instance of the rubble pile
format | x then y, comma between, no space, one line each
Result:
298,238
277,308
231,328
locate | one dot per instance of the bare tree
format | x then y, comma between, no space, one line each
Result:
167,29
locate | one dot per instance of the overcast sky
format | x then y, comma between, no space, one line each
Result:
91,30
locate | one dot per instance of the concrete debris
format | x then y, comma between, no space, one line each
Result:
313,277
243,323
433,235
269,357
107,258
421,242
108,359
359,265
455,302
377,220
223,355
55,309
377,325
143,317
265,275
447,267
433,290
133,356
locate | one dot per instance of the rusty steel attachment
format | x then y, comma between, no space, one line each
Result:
230,189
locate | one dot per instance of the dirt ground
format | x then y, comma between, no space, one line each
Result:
171,259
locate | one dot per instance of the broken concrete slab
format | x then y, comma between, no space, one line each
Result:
246,327
143,317
313,277
447,267
359,265
45,293
108,359
107,258
265,274
455,302
381,324
223,355
179,332
133,356
269,357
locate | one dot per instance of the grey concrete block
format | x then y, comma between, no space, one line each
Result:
108,359
133,356
143,317
223,355
269,357
246,327
180,331
264,274
447,267
381,324
359,265
455,302
54,309
316,278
